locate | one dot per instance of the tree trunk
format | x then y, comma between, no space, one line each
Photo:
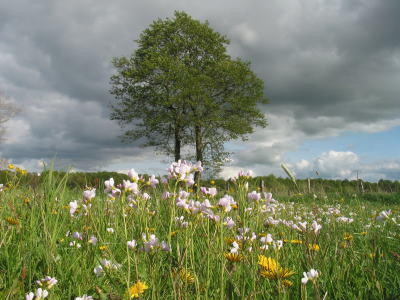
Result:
177,144
199,151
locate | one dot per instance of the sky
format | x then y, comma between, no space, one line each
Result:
331,70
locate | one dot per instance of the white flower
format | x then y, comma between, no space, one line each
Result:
110,230
153,181
98,271
383,215
41,294
93,240
109,184
235,247
29,296
84,297
73,206
132,244
47,282
89,194
226,203
316,227
133,175
229,222
77,235
310,275
130,186
254,196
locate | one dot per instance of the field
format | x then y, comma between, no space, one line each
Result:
161,238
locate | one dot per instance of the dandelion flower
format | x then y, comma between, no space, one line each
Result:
12,221
233,257
136,290
185,276
314,247
268,263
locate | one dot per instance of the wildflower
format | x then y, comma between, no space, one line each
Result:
136,290
153,181
75,244
11,166
41,294
47,282
181,222
98,271
186,276
313,247
77,235
146,196
344,220
235,247
383,215
233,257
92,240
226,203
272,270
89,195
347,236
133,175
229,222
267,262
108,264
212,182
296,242
12,221
254,196
29,296
73,206
316,227
84,297
310,275
103,248
132,244
110,230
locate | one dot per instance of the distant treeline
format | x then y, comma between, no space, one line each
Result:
271,183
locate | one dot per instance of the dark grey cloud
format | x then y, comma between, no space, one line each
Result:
328,67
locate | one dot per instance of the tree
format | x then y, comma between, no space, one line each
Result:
7,111
181,88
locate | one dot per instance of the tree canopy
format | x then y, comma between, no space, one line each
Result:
180,88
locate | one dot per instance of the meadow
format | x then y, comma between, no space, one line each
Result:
165,238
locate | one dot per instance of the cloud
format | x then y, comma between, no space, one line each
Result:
329,67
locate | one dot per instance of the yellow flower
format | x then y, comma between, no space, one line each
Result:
27,200
268,263
287,283
12,221
363,233
11,166
103,248
344,245
136,290
314,247
277,273
296,241
185,275
212,182
173,233
233,257
347,236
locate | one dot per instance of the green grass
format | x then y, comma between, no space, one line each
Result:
364,267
